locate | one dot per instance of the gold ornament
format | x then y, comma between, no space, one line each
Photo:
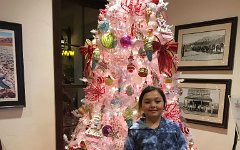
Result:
168,80
143,72
108,81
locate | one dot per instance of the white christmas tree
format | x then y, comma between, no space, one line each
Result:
132,47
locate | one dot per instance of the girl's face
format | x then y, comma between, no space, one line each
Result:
152,105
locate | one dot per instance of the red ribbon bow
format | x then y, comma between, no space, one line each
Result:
87,51
165,54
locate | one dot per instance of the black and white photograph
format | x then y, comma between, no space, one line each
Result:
205,101
200,101
208,45
203,46
12,93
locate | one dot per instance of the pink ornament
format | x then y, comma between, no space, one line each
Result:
126,41
130,67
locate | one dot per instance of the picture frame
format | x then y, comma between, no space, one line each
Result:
205,101
12,89
207,45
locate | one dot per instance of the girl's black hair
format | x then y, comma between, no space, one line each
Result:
149,89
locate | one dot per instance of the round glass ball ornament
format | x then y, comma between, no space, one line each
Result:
126,41
143,72
107,40
116,103
103,26
106,130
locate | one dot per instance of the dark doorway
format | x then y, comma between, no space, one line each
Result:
68,88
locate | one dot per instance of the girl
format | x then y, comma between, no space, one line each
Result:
153,132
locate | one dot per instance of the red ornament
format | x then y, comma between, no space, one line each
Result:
130,67
143,72
155,1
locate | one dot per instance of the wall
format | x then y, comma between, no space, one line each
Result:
33,127
189,11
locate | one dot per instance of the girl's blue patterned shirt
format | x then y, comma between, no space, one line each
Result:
167,136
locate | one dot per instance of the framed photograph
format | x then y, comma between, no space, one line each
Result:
208,45
12,91
205,101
